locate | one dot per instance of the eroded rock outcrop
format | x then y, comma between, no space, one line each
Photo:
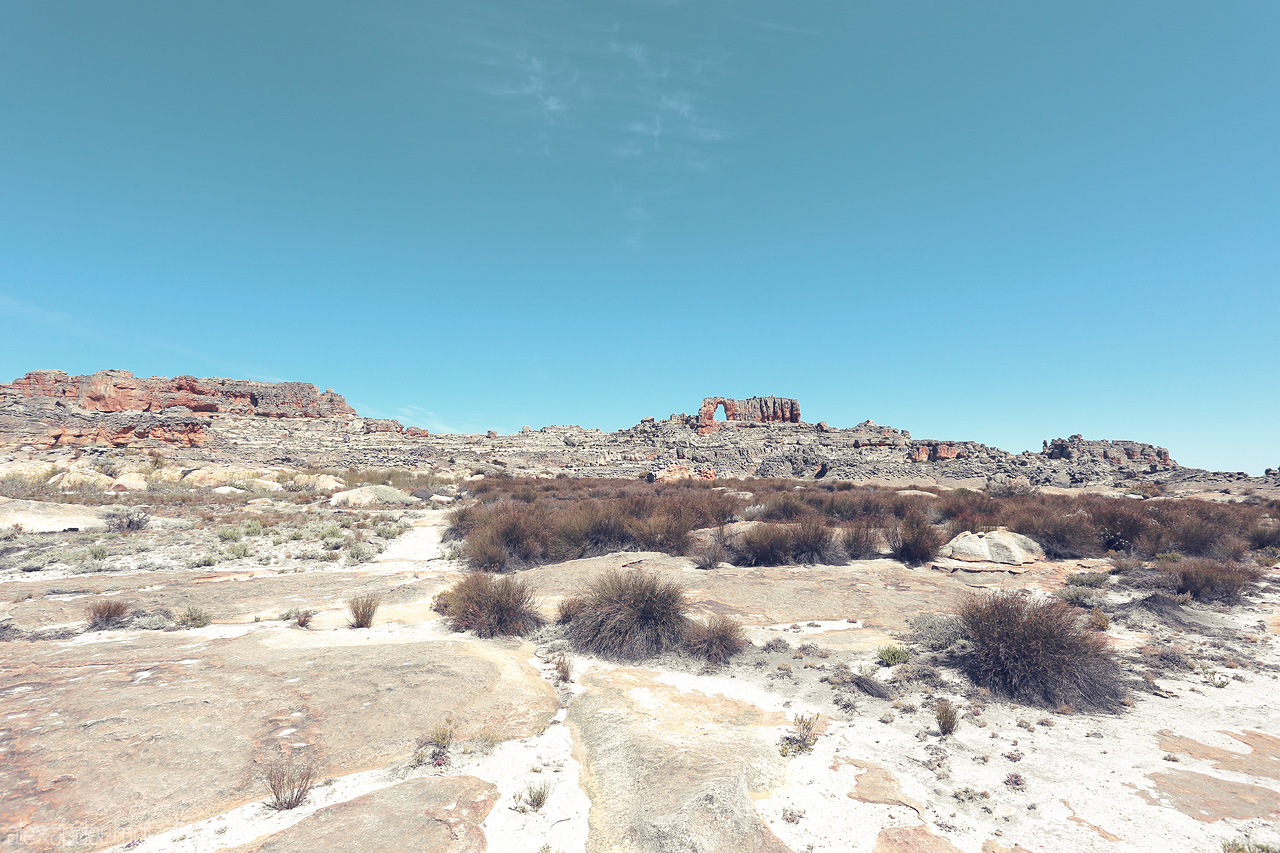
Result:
121,391
763,410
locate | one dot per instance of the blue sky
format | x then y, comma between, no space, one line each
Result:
998,221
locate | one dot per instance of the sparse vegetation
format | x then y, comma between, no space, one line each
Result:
110,613
802,737
914,541
1211,580
533,797
719,639
947,715
362,609
288,784
1038,652
230,534
892,655
492,607
194,617
127,520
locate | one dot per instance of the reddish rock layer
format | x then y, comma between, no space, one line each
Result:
121,391
764,410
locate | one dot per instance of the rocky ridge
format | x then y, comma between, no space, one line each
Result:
218,420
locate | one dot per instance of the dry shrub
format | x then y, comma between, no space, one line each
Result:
718,640
1038,653
568,609
666,532
127,520
710,555
860,539
288,784
362,609
812,542
766,545
802,737
1063,531
785,507
1211,580
914,541
106,614
630,616
493,607
947,715
1261,537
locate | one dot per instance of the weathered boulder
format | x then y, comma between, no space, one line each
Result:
46,517
372,496
997,546
132,482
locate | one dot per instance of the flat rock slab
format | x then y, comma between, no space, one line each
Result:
441,814
145,730
1210,799
48,517
880,594
671,770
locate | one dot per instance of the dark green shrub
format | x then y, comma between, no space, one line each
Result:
630,616
492,607
914,540
715,642
1038,652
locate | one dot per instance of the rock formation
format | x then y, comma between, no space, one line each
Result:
221,420
763,410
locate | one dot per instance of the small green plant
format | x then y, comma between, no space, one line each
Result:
802,737
288,784
1076,596
947,715
1247,846
253,527
230,534
892,655
1094,580
236,550
206,560
433,747
360,552
194,617
331,532
98,552
362,609
1098,620
533,797
330,556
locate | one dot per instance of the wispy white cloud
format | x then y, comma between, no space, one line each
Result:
417,416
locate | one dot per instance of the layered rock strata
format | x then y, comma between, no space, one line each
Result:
296,424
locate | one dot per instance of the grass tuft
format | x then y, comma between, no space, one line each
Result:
492,607
630,616
718,640
362,609
1038,652
106,614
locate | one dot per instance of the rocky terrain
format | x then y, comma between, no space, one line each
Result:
155,732
178,627
232,421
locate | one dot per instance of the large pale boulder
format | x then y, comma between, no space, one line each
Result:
132,482
46,517
997,546
372,496
80,478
